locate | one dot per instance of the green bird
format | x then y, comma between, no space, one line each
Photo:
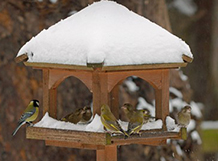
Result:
75,116
29,115
86,115
129,111
110,122
136,122
184,116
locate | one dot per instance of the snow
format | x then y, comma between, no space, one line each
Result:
187,7
171,124
94,126
105,32
176,92
131,85
143,104
209,125
195,136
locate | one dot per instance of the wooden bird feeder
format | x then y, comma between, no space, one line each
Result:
103,81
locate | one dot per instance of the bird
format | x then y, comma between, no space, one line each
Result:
29,115
109,121
136,122
184,116
129,111
75,116
86,115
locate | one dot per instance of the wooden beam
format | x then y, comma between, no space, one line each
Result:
73,145
85,139
82,137
187,59
107,68
21,58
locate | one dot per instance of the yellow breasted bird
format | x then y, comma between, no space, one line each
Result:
128,110
109,121
86,115
184,116
136,122
74,117
29,115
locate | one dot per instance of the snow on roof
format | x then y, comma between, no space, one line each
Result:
105,32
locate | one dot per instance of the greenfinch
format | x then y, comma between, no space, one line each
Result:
136,122
29,115
109,121
184,116
86,115
74,117
128,110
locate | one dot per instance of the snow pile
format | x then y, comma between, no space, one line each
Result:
209,125
105,32
94,126
48,122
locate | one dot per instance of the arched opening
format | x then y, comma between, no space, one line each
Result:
136,91
72,94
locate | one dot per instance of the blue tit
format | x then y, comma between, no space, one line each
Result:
136,122
29,115
109,121
184,116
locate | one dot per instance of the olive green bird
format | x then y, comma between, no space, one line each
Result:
129,111
29,115
74,117
86,115
184,116
136,122
110,122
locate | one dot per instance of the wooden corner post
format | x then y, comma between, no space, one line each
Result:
49,95
101,96
162,97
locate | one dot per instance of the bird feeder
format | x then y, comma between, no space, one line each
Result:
102,45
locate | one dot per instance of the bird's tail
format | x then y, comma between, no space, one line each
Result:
18,127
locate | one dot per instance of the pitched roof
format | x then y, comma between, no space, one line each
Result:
105,33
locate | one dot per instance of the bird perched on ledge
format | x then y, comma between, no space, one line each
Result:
110,122
29,115
129,111
86,115
184,116
82,115
136,122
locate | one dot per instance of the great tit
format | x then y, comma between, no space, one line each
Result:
29,115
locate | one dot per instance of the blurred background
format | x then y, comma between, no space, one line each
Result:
195,21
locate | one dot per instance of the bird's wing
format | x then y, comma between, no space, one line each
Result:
27,114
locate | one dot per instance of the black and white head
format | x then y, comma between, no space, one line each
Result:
35,103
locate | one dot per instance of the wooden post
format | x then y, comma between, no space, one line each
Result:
45,91
114,103
49,95
108,154
162,97
101,96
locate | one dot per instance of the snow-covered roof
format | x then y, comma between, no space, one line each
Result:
106,33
